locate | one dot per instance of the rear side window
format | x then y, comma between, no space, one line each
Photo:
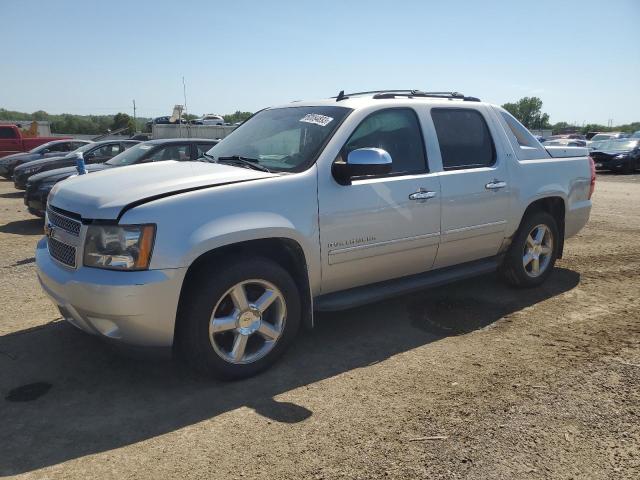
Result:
203,148
397,131
464,138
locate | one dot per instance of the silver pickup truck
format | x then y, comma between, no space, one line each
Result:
310,206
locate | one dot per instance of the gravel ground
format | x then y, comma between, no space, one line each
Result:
474,380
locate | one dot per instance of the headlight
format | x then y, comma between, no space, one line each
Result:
621,156
32,170
119,247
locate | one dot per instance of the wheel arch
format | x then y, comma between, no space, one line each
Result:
287,252
554,205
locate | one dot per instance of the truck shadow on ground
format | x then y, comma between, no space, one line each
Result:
94,400
33,226
12,195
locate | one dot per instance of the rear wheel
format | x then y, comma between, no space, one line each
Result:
238,320
533,252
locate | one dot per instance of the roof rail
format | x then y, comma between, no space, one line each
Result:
382,94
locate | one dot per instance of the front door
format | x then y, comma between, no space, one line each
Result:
475,186
377,228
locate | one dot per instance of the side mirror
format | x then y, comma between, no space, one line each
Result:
361,163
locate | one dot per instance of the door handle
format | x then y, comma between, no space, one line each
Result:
495,185
422,195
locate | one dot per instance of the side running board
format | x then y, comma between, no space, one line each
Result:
355,297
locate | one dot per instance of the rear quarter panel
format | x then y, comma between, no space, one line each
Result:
567,178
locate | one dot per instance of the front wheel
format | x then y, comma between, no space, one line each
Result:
533,252
238,318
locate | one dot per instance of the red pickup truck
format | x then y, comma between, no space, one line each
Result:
15,140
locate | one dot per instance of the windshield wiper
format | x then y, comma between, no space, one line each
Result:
206,155
248,162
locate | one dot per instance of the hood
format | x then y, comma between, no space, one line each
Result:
613,151
20,157
105,194
37,163
62,173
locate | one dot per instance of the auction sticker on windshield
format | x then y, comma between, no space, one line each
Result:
321,120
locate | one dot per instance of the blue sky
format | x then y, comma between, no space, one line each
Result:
581,57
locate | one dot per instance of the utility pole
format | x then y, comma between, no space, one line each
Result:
184,92
134,114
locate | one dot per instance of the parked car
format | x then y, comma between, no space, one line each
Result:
565,142
320,205
96,152
599,137
12,140
46,150
179,149
165,120
621,155
209,119
636,134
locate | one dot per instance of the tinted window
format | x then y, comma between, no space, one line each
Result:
398,132
464,138
75,145
171,152
60,147
203,148
7,133
523,136
109,150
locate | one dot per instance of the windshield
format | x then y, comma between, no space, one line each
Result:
82,149
282,139
618,145
39,148
131,155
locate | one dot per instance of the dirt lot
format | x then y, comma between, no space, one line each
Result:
474,380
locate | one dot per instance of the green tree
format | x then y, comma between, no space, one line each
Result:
238,116
122,120
528,111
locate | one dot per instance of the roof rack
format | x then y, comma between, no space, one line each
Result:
382,94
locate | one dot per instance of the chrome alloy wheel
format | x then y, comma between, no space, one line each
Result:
247,321
538,249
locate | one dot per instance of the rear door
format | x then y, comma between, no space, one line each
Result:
475,185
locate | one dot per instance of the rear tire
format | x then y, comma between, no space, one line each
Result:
533,252
238,318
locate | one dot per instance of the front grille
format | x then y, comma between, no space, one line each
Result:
65,223
62,252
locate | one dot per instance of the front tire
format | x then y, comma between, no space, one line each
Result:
533,252
237,319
